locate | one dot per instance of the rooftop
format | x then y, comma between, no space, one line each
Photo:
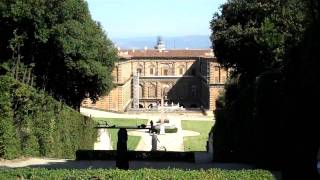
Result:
172,53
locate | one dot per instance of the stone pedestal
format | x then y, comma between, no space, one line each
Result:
154,140
162,129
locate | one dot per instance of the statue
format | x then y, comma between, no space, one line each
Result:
151,127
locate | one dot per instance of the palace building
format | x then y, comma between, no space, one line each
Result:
191,78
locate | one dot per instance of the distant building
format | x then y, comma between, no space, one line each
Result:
192,78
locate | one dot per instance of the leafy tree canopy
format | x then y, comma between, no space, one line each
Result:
72,56
252,36
267,113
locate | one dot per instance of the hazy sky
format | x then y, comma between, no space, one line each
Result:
132,18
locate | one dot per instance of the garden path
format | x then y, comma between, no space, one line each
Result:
168,141
131,115
103,140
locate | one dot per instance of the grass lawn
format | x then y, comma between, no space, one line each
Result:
196,143
132,140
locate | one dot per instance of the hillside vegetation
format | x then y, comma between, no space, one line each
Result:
32,123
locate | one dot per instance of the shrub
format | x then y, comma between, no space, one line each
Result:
167,129
174,130
165,121
28,173
34,124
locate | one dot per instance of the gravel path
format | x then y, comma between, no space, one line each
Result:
103,140
73,164
168,141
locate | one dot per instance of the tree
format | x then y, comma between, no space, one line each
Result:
72,56
271,45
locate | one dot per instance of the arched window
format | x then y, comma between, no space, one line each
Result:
165,72
140,91
151,70
181,70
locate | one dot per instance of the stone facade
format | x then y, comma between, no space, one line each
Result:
191,78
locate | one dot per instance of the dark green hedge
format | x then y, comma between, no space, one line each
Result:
150,174
167,129
136,155
32,123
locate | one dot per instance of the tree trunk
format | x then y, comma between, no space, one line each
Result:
24,75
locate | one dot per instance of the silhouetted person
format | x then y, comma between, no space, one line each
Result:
152,127
122,151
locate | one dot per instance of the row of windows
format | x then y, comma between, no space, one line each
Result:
151,92
165,71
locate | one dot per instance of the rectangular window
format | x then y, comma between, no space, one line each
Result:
217,80
223,79
152,92
151,71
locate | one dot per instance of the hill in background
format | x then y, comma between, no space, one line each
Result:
178,42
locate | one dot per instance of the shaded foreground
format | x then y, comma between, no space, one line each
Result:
136,155
40,173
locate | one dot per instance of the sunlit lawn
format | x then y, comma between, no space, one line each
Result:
132,140
196,143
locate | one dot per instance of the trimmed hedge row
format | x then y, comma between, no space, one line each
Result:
136,155
149,174
32,123
167,129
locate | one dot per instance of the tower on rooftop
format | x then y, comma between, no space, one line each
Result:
160,44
